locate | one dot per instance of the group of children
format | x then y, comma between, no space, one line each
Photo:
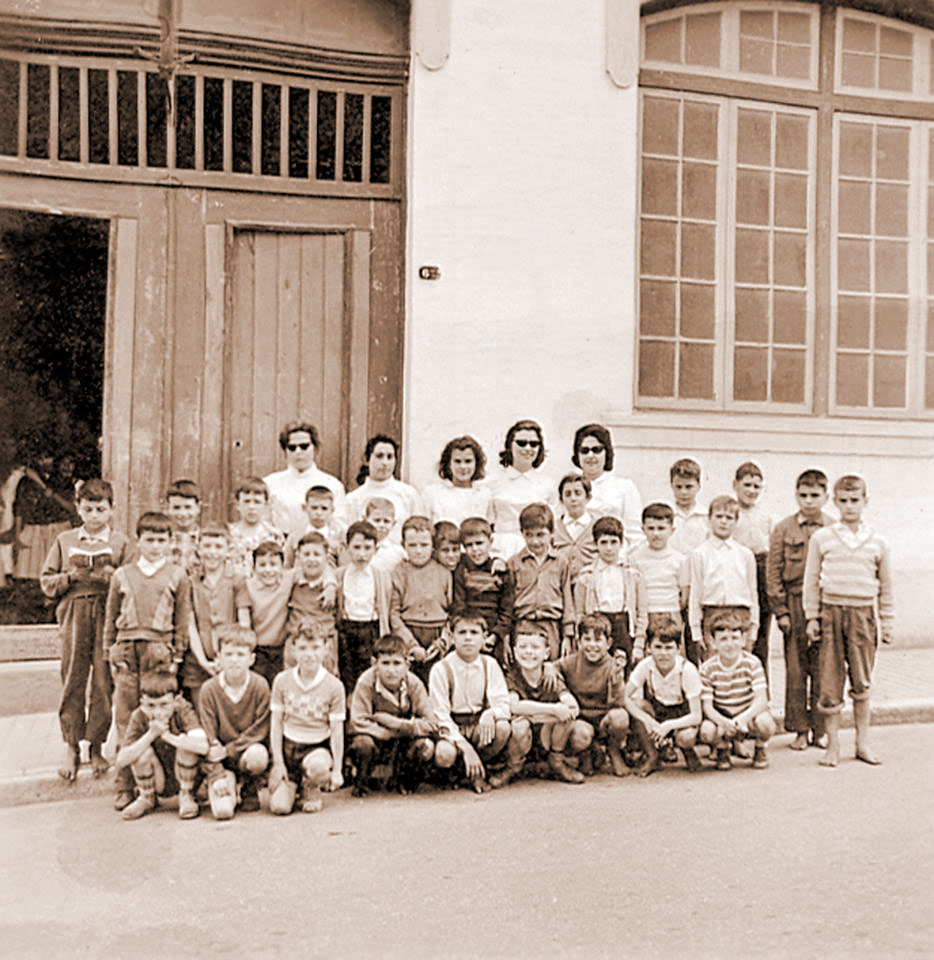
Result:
227,653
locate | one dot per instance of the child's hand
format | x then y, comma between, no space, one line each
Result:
550,677
216,753
433,651
813,630
277,773
336,781
563,713
418,653
328,597
498,565
784,624
567,647
486,728
638,651
473,765
158,727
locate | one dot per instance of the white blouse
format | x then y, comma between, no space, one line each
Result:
613,496
444,501
511,492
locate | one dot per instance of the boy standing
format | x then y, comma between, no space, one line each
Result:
381,513
391,720
785,578
447,544
847,576
574,523
319,509
312,601
183,508
146,624
78,571
690,516
253,528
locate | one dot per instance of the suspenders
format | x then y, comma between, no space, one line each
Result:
449,671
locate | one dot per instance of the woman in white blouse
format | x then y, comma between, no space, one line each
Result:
376,479
611,495
518,484
459,496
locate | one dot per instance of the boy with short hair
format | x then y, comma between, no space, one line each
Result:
253,527
234,711
690,516
595,680
612,586
543,713
788,548
306,736
77,572
663,570
482,583
319,509
753,529
146,626
391,720
847,578
381,513
721,576
421,596
163,740
470,701
663,698
542,580
313,600
733,693
183,508
447,545
364,594
574,523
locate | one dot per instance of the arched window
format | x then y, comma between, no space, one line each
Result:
786,211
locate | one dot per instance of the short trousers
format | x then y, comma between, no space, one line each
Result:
293,753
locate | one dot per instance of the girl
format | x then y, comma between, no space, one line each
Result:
458,496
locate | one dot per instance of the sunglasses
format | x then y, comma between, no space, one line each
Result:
526,443
596,449
297,446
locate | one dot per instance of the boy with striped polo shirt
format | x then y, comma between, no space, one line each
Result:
847,576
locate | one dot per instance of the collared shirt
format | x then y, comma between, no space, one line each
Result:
784,567
101,537
542,589
680,684
359,594
477,685
287,489
577,526
609,587
691,528
753,529
308,710
722,573
149,569
244,540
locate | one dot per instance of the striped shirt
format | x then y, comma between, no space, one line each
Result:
849,568
731,690
664,572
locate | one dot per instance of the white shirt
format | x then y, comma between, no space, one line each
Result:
609,587
511,492
691,528
613,496
444,501
753,528
722,573
388,555
680,684
467,695
663,573
360,594
404,498
287,489
234,694
150,569
576,527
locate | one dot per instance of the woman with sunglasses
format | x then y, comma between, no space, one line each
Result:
518,484
287,488
610,495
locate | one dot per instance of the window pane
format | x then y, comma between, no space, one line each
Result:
755,56
859,35
752,196
702,39
859,70
9,106
888,387
855,150
891,267
791,142
656,369
788,376
853,264
855,207
791,257
98,113
852,380
663,40
892,153
794,28
752,315
897,42
127,120
790,317
242,120
750,374
757,23
699,191
157,93
380,139
793,62
695,372
659,246
660,186
69,147
754,137
891,327
752,256
700,130
853,322
791,201
660,121
298,132
698,251
37,110
891,210
270,147
894,74
697,311
657,308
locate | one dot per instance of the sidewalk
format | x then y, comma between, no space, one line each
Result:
30,745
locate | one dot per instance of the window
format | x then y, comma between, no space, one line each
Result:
786,254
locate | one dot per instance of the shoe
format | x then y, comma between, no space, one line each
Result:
501,779
691,760
669,754
585,764
359,789
760,759
123,799
312,805
188,807
558,765
648,767
800,742
739,750
723,758
249,798
140,806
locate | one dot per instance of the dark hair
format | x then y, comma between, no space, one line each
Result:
153,522
312,537
389,645
505,455
748,469
94,490
157,683
232,634
686,469
319,490
602,434
462,443
184,488
536,515
664,629
658,511
596,622
469,615
607,527
371,445
445,532
850,482
812,478
723,502
574,478
297,426
252,485
476,526
728,620
213,530
364,528
530,628
418,524
268,548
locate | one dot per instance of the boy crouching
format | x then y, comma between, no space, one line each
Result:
162,743
391,720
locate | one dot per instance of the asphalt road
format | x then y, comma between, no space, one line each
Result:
795,861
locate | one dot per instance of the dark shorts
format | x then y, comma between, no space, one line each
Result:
293,753
668,711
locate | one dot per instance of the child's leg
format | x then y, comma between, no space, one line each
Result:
186,772
124,670
100,705
75,667
815,717
579,744
760,647
763,729
362,749
797,654
252,765
831,679
413,759
686,739
499,742
316,774
555,738
445,754
149,777
861,639
517,748
651,762
615,726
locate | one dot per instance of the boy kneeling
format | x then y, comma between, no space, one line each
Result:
162,743
234,708
391,720
306,736
733,693
663,698
542,713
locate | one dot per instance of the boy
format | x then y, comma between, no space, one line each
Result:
313,597
447,544
78,571
470,701
391,720
690,517
319,509
381,513
542,713
785,578
146,626
663,570
574,523
363,599
213,603
721,576
482,583
663,698
234,711
163,742
263,605
595,680
847,575
252,529
733,693
752,531
542,580
306,735
183,508
421,596
613,587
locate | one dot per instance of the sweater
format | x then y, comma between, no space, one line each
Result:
239,725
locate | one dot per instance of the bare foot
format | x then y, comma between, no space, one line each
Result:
867,756
618,764
68,768
820,742
800,742
831,755
99,765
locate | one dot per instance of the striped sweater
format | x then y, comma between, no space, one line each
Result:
849,568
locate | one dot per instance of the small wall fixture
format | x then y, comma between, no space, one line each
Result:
429,273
